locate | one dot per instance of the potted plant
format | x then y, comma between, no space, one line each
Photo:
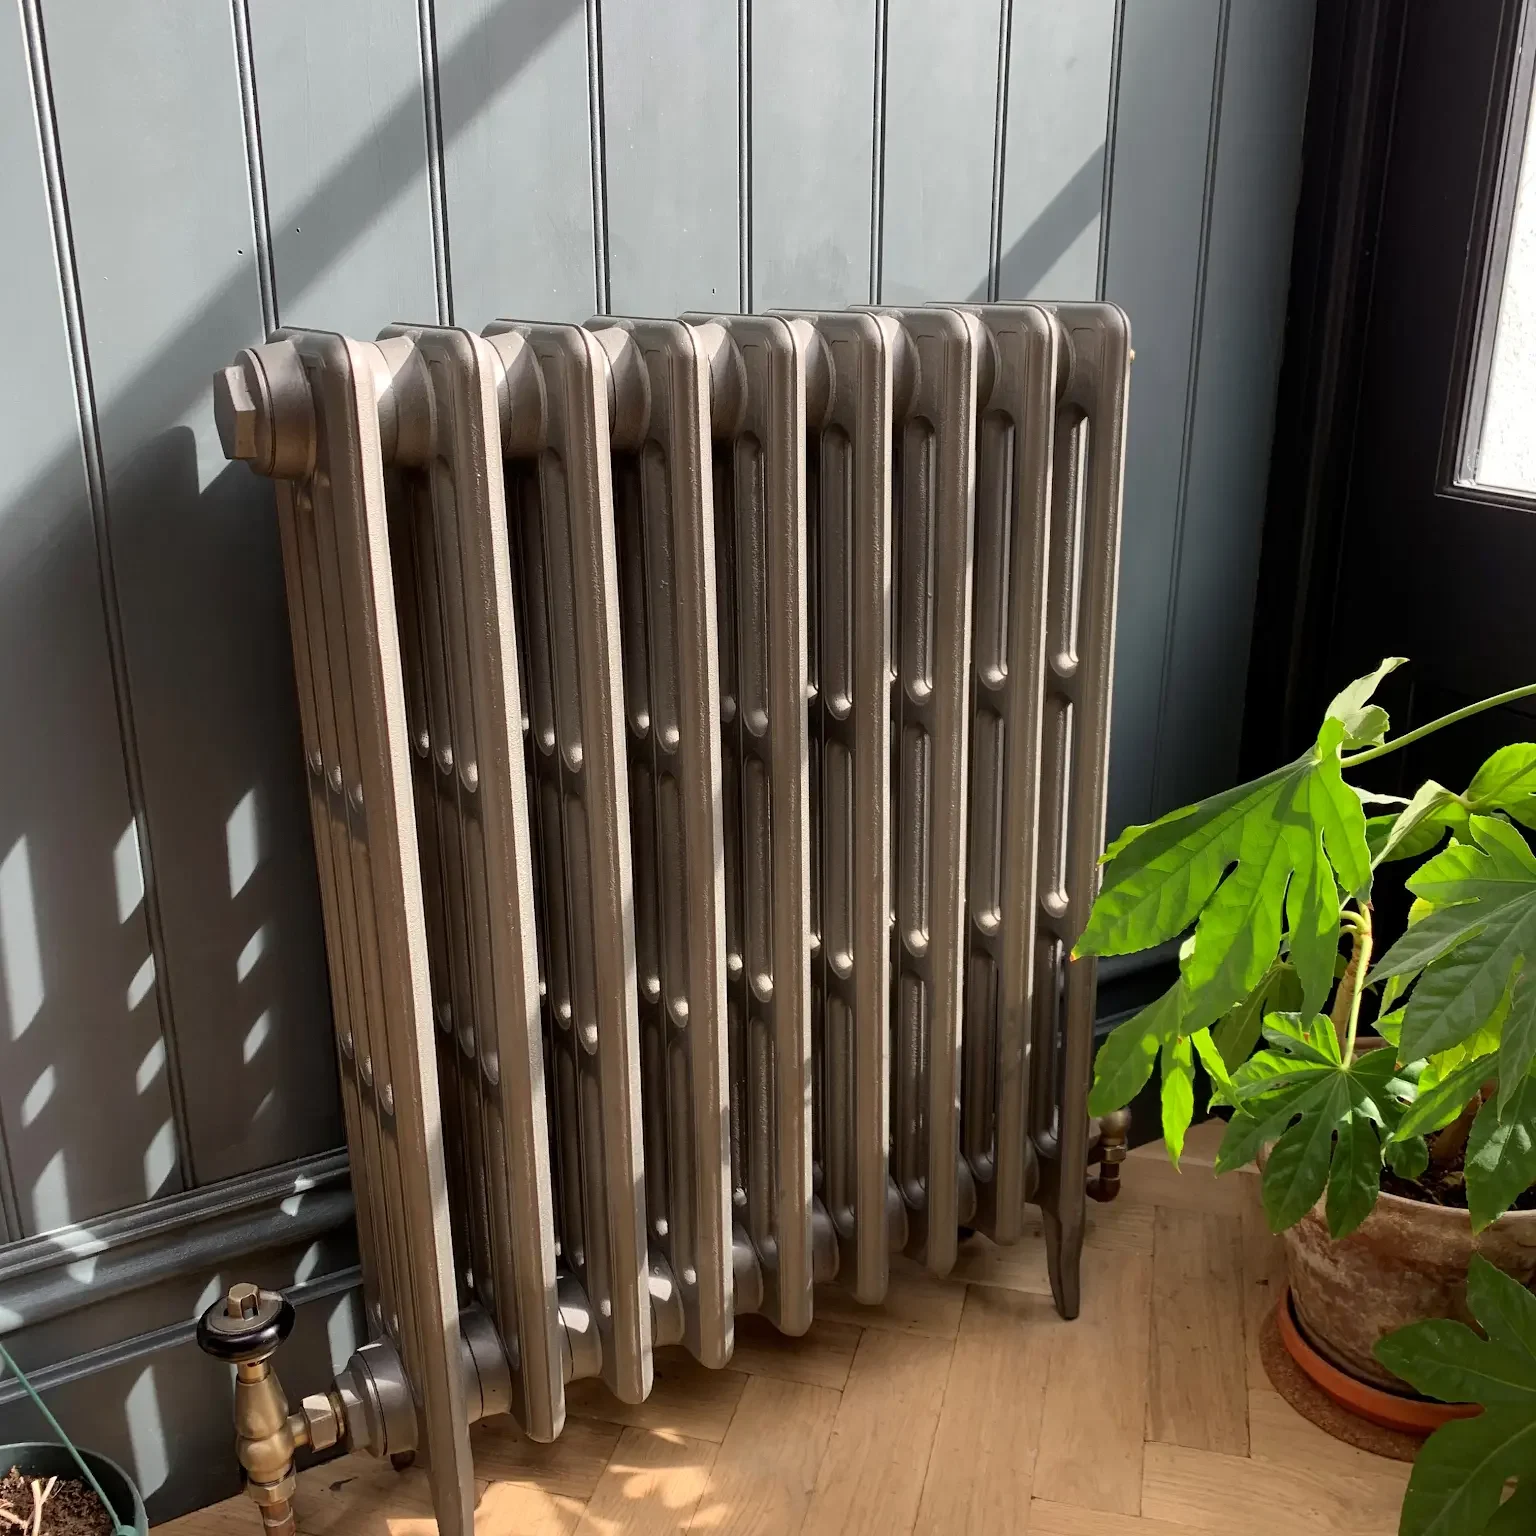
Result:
1389,1162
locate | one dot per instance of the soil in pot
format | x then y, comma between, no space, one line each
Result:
70,1507
1445,1186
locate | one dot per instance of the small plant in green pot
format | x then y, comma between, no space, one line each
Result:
1389,1160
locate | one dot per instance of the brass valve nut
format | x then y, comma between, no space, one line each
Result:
279,1492
323,1420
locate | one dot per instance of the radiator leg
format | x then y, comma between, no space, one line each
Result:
1064,1262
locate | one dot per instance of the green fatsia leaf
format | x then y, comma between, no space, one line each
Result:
1432,935
1228,861
1516,1516
1458,994
1458,1478
1440,1103
1215,1067
1312,916
1408,1157
1421,823
1446,1360
1238,1032
1390,1026
1505,1309
1517,1045
1127,1056
1460,1475
1363,721
1494,867
1178,1095
1354,1178
1303,1036
1507,782
1297,1170
1492,884
1501,1155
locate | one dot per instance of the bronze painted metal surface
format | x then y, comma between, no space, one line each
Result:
706,725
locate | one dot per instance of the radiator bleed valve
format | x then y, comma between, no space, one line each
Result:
245,1329
1107,1147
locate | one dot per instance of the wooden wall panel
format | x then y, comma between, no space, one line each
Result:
1060,68
813,152
1256,183
163,238
1169,64
672,136
941,100
517,114
343,144
79,1023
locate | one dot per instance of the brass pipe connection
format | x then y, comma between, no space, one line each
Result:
1108,1150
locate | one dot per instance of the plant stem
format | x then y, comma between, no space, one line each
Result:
1359,963
1372,753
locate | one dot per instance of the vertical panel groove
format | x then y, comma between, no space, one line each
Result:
426,22
599,156
999,150
1191,394
1117,49
877,170
744,100
95,477
255,168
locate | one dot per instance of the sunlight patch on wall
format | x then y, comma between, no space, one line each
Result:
20,956
341,1332
160,1159
256,1037
50,1196
128,873
38,1096
142,984
242,841
255,948
151,1067
146,1433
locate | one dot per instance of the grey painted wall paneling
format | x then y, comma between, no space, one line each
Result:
163,237
79,1022
1060,69
672,136
1241,331
1162,132
517,120
813,155
343,140
941,73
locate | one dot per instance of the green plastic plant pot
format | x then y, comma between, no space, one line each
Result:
44,1458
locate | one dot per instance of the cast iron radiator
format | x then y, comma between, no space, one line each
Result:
705,724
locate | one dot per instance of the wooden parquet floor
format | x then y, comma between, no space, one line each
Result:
957,1408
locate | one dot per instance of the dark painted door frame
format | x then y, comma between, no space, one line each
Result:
1405,204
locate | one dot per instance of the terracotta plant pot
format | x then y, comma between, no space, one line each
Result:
1406,1262
1408,1415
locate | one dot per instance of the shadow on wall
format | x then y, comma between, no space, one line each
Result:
1023,266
